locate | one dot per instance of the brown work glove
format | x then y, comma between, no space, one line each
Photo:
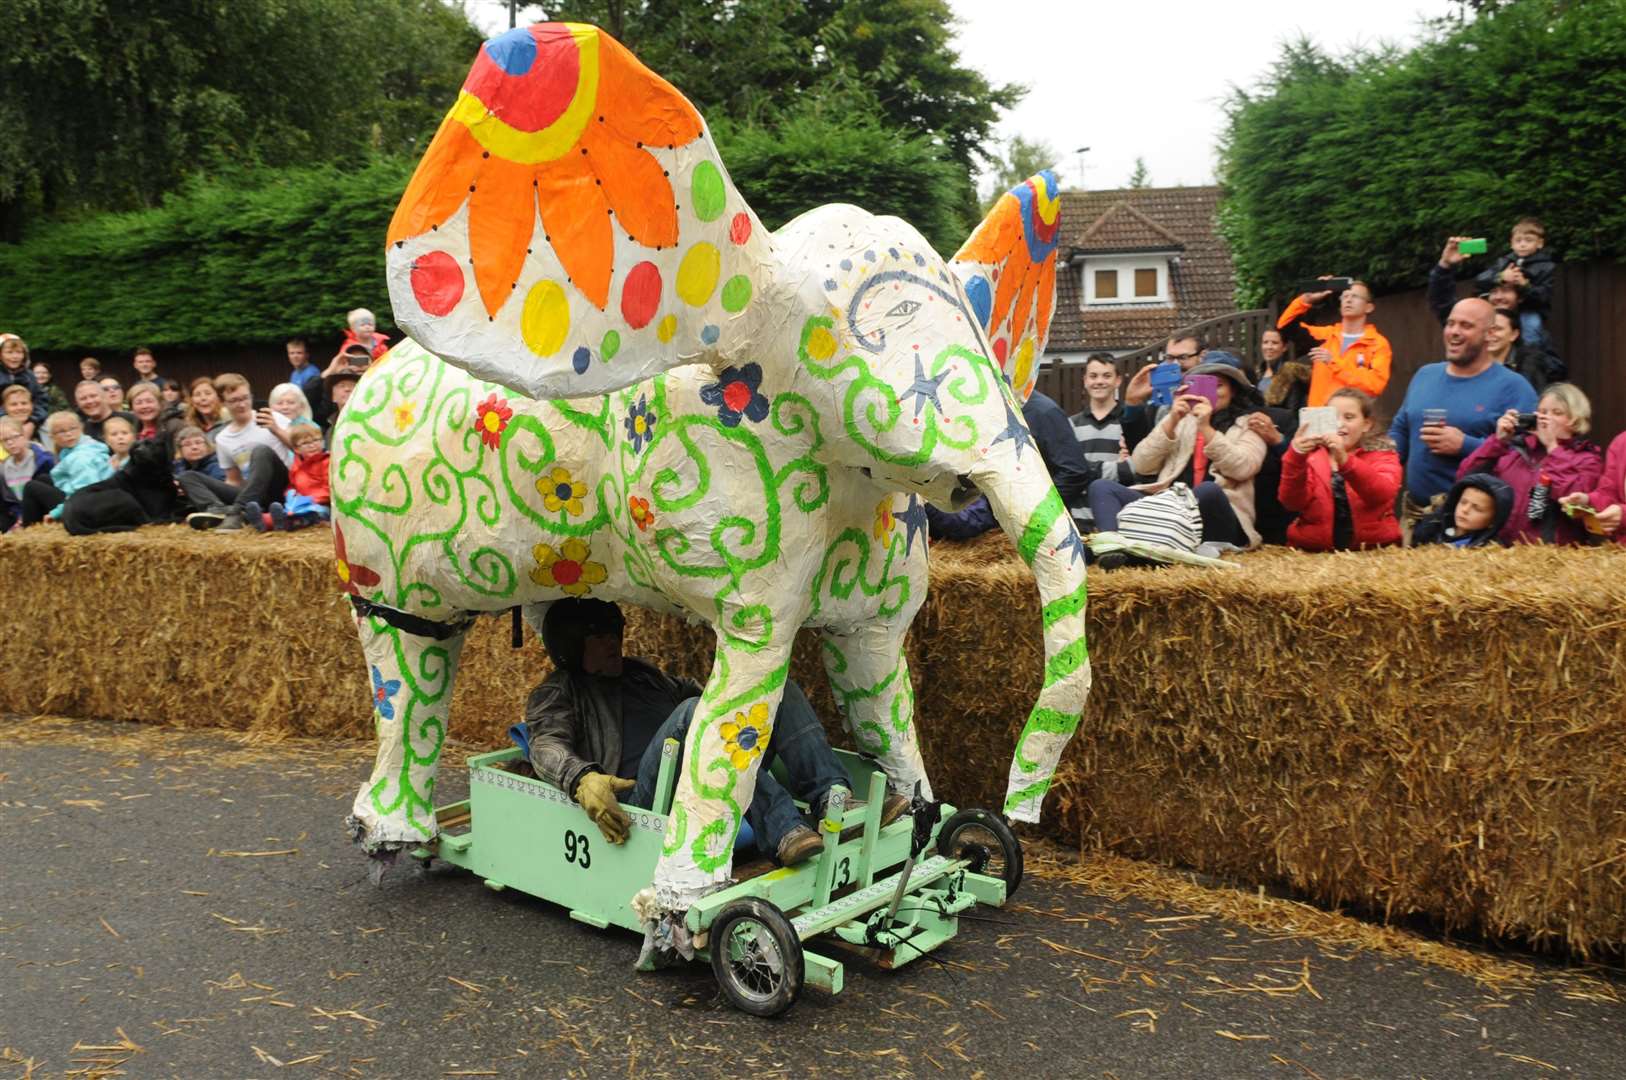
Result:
596,792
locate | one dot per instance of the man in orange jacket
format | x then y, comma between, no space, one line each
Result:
1350,352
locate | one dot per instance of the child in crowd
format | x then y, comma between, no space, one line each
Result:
1473,513
308,496
119,435
23,462
15,371
194,453
18,403
1529,268
81,461
363,332
90,368
1343,485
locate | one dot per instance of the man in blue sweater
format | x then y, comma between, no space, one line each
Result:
1451,408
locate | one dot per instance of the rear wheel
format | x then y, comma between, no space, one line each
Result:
757,957
986,842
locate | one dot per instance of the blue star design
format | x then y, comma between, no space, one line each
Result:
915,519
925,389
1015,430
1072,541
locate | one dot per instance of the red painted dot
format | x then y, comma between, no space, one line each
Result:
739,230
641,295
437,282
1001,347
737,395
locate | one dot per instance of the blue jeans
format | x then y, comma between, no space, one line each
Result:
797,739
1532,330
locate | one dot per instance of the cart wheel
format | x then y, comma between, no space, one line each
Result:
984,839
757,957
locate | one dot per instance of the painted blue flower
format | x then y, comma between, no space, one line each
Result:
382,692
737,393
640,423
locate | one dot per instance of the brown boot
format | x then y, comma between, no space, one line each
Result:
799,845
893,807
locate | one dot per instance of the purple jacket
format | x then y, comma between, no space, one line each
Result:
1611,487
1573,465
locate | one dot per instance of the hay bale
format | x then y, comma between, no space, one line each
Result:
1426,731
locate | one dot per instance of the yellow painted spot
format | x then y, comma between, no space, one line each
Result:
666,328
697,274
545,322
821,344
1024,364
344,571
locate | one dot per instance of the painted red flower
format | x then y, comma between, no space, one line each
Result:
492,416
351,574
642,515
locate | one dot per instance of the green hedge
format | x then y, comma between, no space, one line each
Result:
1364,164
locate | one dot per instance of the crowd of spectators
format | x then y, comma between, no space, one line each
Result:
110,455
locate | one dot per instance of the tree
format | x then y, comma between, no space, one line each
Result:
1140,177
1023,157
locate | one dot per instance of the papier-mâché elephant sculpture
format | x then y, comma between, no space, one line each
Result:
619,384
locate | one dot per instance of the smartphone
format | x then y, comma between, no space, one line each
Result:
1322,420
1433,417
1203,386
1476,246
1335,284
1164,378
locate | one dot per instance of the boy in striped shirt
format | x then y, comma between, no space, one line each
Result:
1099,430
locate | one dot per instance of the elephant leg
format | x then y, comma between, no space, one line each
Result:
410,679
869,674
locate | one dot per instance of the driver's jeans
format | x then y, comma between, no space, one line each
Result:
796,738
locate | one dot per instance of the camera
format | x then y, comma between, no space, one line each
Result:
1527,422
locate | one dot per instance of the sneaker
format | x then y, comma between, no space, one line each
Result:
254,517
279,518
207,519
799,845
232,520
1112,560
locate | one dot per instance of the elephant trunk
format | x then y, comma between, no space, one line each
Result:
1028,506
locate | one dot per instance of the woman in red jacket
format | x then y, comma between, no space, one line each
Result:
1608,498
1343,485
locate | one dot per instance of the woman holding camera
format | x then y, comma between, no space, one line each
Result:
1543,457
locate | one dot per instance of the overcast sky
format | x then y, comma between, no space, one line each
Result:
1134,79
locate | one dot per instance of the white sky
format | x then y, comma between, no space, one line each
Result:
1132,79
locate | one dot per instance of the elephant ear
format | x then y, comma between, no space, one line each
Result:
570,230
1008,267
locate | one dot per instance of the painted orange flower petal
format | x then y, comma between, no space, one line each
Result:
1024,300
577,219
636,187
639,105
440,183
1047,298
1012,275
502,217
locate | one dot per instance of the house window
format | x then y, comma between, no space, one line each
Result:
1121,280
1106,284
1145,283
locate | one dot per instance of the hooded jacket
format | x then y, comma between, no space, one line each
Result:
308,476
1538,267
25,378
1440,526
1371,481
1364,365
1571,466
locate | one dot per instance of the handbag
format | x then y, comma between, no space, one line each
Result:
1168,519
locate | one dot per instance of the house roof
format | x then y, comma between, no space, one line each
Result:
1137,220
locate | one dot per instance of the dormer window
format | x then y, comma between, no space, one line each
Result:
1126,280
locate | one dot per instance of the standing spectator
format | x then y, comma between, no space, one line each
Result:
114,392
1529,268
1608,496
194,454
94,410
1343,485
1349,352
1100,431
80,462
90,368
55,399
14,371
1272,347
1543,466
1539,365
1473,513
305,375
203,407
18,403
256,463
146,404
145,364
1450,408
363,331
23,462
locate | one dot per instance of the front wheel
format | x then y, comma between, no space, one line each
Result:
986,842
756,956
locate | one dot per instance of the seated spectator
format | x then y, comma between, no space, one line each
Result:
90,368
1349,352
307,498
1608,497
145,365
174,398
17,402
1272,348
194,453
339,384
1470,515
147,405
362,331
286,405
597,724
55,399
1276,428
114,391
1450,408
1542,466
23,462
1530,268
15,370
93,408
80,462
1210,448
1060,451
119,435
203,409
256,463
141,493
1343,485
1098,427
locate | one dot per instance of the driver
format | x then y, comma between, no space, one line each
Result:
597,725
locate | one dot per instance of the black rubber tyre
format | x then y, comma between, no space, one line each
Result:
757,957
983,837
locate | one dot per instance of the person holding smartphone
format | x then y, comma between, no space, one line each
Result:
1349,352
1342,483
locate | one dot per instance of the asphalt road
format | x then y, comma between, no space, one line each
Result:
134,943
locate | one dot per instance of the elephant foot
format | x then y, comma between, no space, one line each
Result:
378,863
666,937
382,853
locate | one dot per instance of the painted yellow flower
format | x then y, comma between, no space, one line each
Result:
568,568
885,521
746,735
561,491
403,415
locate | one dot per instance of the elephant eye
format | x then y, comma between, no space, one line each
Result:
905,307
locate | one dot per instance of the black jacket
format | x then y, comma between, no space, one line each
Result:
24,377
1538,270
1440,526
